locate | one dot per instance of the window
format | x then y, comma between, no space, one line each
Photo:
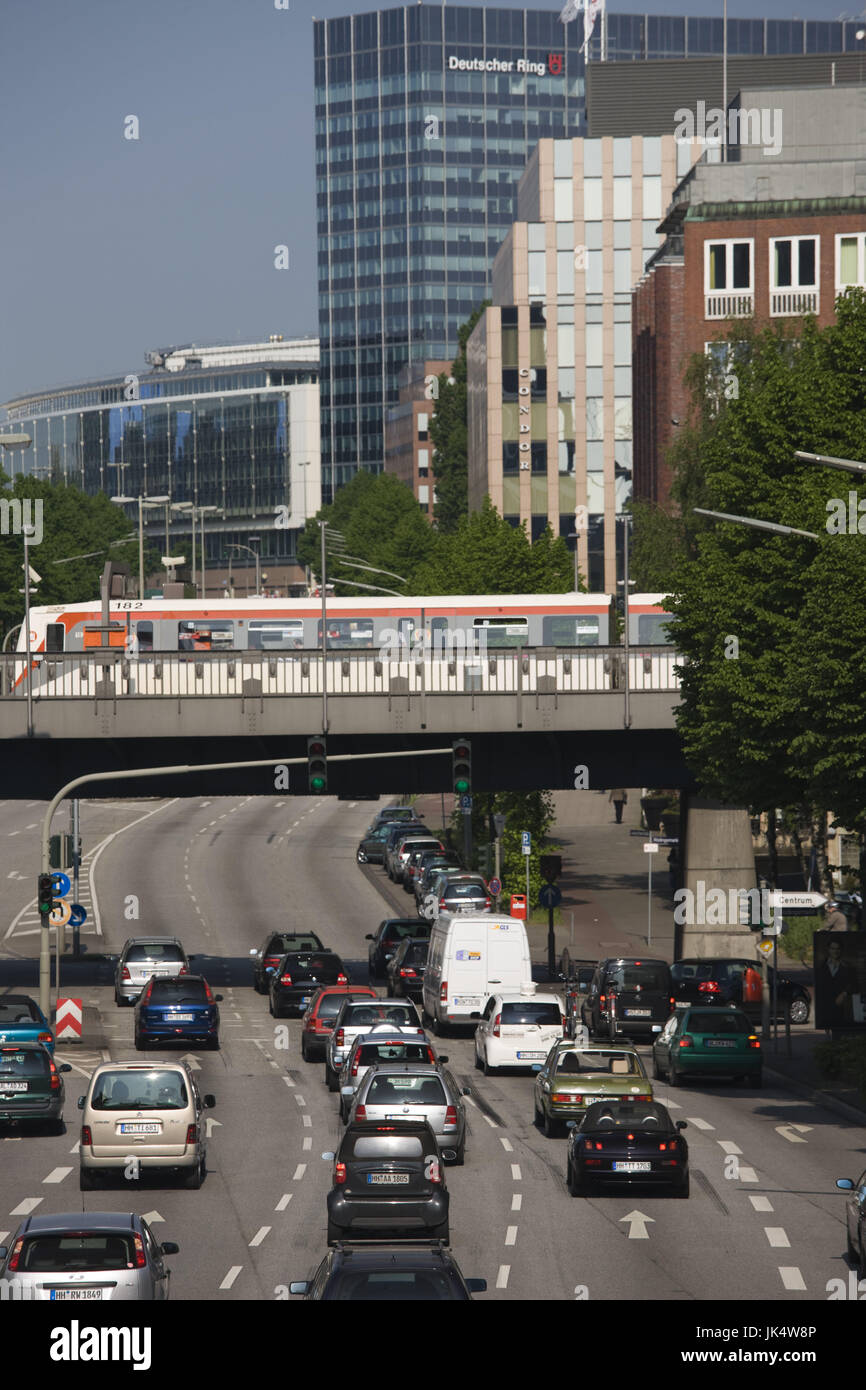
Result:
566,630
563,205
354,633
282,636
794,275
205,636
503,632
850,260
728,282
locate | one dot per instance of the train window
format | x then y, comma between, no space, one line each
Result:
570,630
503,631
353,633
204,636
144,636
652,628
54,637
276,636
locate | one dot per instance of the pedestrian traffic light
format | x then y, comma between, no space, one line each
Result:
461,767
317,764
47,900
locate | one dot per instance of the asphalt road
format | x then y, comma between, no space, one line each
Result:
764,1221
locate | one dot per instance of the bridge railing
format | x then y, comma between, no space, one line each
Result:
174,675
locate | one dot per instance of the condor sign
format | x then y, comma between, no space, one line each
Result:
553,67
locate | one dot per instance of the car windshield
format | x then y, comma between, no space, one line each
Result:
406,1090
330,1005
711,1022
532,1013
393,1286
634,1115
403,1015
393,1051
570,1060
383,1146
78,1250
153,951
398,931
18,1011
646,976
180,991
293,941
317,963
27,1063
139,1090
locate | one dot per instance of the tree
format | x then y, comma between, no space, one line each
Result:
487,555
448,435
532,811
382,524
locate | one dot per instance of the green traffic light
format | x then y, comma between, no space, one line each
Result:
317,784
461,785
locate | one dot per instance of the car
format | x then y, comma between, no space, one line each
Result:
855,1218
31,1085
722,980
371,848
317,1024
396,815
141,958
298,976
388,1178
428,865
438,882
276,945
180,1008
516,1030
572,1077
412,868
406,968
86,1257
701,1041
628,997
371,1049
415,1091
22,1020
466,893
396,832
421,1272
387,938
623,1143
397,858
361,1016
151,1112
473,956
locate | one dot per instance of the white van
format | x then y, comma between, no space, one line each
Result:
473,955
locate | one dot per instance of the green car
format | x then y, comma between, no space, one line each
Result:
573,1077
31,1087
707,1042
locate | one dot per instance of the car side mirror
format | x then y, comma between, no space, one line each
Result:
846,1184
81,1100
218,999
209,1102
443,1060
571,1124
271,970
536,1066
64,1066
681,1124
369,937
449,1154
170,1247
476,1285
299,1286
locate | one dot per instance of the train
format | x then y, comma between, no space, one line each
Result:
353,624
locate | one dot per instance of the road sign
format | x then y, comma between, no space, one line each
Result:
765,946
499,825
68,1020
657,839
780,901
651,848
494,887
526,841
61,885
550,895
78,915
61,915
466,803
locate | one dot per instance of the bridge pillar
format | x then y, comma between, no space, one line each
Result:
717,853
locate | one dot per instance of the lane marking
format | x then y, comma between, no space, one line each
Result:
492,1123
307,1121
511,1235
300,1099
24,1208
747,1174
516,1202
792,1279
288,1080
693,1120
728,1147
231,1276
506,1144
502,1276
77,1148
777,1237
260,1235
760,1203
57,1175
299,1172
515,1172
307,1144
787,1132
283,1202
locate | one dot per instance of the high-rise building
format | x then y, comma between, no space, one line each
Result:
425,118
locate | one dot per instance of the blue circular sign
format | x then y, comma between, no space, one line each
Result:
550,895
78,915
61,884
494,887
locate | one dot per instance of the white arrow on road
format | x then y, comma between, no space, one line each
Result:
193,1061
151,1216
638,1228
210,1125
784,1130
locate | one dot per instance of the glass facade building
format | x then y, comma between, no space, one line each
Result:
425,118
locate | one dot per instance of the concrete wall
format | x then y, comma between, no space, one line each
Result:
718,854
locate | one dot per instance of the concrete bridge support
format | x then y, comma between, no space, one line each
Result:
717,853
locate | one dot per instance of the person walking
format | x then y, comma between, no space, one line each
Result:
835,919
619,797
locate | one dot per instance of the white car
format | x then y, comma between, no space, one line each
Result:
518,1030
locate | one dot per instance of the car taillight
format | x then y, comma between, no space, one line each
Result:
354,1071
566,1098
709,987
686,1040
672,1003
192,1134
753,1041
602,999
434,1172
338,1041
488,902
55,1078
669,1147
270,961
140,1257
407,974
145,998
564,1026
342,979
126,975
646,1098
16,1253
44,1038
285,979
339,1173
86,1136
451,1116
208,992
443,992
496,1022
184,970
430,1056
441,902
592,1144
360,1112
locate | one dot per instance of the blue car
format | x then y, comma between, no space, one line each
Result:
22,1020
179,1008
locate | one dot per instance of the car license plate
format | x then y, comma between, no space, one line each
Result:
75,1295
620,1167
140,1127
306,999
681,1003
387,1177
638,1013
467,999
7,1087
721,1042
180,1018
531,1056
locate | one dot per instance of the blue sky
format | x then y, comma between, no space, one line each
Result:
113,246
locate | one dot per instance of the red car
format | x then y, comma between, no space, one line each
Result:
317,1024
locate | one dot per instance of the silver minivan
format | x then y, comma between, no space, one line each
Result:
143,957
89,1257
143,1115
415,1091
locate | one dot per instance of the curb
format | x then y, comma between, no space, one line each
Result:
830,1102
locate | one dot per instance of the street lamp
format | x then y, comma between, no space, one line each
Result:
28,532
201,512
235,545
626,518
142,503
773,526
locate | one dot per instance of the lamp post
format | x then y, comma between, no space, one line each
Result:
188,507
201,512
27,532
142,503
626,519
236,545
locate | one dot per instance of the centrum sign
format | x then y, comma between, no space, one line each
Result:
553,67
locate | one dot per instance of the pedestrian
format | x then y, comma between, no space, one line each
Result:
619,797
835,919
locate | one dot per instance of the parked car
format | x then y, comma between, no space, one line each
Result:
701,1041
317,1024
406,968
22,1020
387,938
628,997
396,814
397,858
181,1008
516,1030
371,848
362,1016
276,945
412,867
388,1178
466,893
572,1077
725,980
297,977
415,1091
855,1221
624,1143
31,1085
375,1049
396,833
154,1109
86,1257
144,957
407,1273
429,864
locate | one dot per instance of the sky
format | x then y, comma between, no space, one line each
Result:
110,246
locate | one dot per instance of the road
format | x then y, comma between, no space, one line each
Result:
764,1221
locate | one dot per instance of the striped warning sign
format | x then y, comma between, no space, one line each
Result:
68,1020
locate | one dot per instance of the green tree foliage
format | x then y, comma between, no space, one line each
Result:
72,524
532,811
487,555
774,627
448,435
383,525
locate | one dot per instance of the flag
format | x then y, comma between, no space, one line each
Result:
570,10
593,10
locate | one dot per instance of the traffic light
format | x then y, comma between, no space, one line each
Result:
317,764
47,899
461,767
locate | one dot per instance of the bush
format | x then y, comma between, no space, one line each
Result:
843,1061
797,940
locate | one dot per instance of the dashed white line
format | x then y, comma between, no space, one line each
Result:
792,1279
260,1235
298,1173
516,1202
515,1172
693,1120
299,1099
760,1203
24,1208
307,1143
777,1237
288,1080
3,1237
306,1120
283,1202
728,1147
506,1144
77,1147
470,1101
57,1175
492,1123
231,1276
502,1276
511,1235
747,1174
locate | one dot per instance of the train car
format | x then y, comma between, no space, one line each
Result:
477,622
647,620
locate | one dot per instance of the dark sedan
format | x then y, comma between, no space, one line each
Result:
855,1215
387,938
406,968
625,1143
420,1272
31,1087
735,982
275,946
388,1178
298,976
177,1008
